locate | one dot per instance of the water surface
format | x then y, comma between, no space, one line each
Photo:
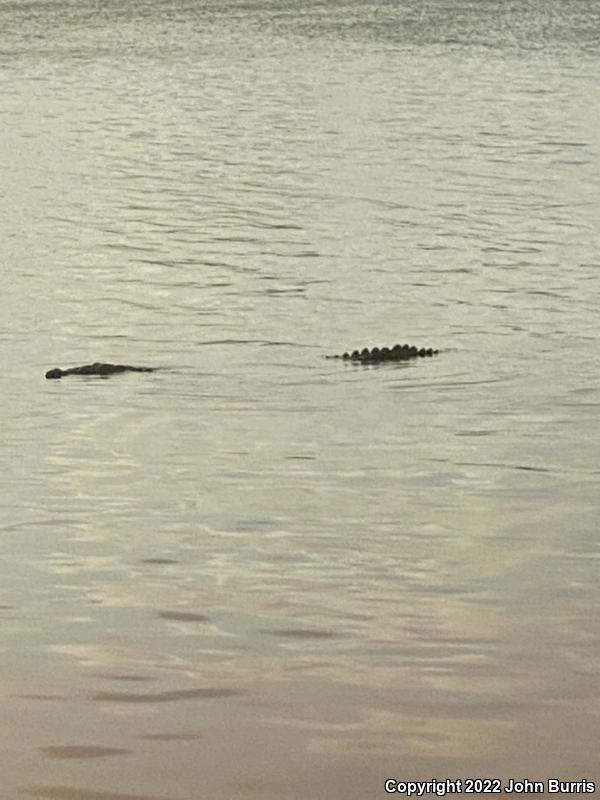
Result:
258,573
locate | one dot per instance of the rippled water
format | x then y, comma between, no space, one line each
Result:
257,573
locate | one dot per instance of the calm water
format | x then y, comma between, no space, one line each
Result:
257,573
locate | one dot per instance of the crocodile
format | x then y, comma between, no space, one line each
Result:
96,369
377,355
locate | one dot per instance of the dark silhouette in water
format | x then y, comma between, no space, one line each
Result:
377,355
96,369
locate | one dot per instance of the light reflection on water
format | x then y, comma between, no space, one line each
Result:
257,572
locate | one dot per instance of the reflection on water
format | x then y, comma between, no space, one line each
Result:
255,572
84,752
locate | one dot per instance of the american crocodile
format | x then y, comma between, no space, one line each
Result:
376,355
96,369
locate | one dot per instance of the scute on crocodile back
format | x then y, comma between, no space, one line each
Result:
377,355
